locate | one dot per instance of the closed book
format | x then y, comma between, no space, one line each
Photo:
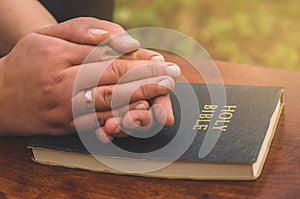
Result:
221,132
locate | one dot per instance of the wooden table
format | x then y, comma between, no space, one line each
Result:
22,178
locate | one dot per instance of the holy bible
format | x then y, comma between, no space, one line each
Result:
221,132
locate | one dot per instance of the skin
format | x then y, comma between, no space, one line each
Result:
20,17
37,78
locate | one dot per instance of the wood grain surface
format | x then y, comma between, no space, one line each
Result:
22,178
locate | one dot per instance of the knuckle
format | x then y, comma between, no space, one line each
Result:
116,69
30,36
30,40
92,19
87,22
83,19
49,51
104,97
49,86
140,54
80,19
153,69
73,23
100,119
57,78
144,91
117,26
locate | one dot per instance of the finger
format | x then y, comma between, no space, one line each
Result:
163,111
137,119
124,43
80,31
113,96
79,54
121,71
90,54
92,31
134,120
113,128
69,54
80,106
91,121
102,53
144,54
76,54
102,136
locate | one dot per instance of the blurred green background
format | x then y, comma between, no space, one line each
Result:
256,32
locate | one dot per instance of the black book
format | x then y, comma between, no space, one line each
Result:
220,132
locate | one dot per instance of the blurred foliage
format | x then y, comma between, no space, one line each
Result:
253,32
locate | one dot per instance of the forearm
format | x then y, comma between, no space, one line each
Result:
19,17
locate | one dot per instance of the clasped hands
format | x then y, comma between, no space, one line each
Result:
38,76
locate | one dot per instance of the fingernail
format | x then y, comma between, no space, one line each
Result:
117,129
165,83
136,124
102,136
140,106
101,122
157,58
128,39
97,32
173,70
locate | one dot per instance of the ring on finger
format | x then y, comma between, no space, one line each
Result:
89,102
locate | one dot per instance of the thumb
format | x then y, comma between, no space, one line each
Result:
92,31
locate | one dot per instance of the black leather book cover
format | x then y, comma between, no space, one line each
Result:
213,123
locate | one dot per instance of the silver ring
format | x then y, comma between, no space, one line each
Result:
88,98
